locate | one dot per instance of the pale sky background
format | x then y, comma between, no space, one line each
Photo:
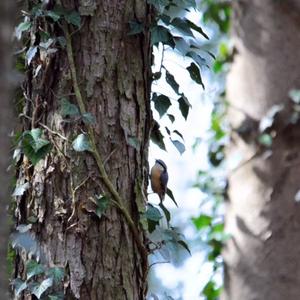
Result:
187,280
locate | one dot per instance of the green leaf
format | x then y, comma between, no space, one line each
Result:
184,106
34,146
152,213
41,288
179,146
102,205
135,27
181,45
203,221
197,28
30,54
62,41
200,61
73,18
295,96
156,136
21,189
211,291
88,118
33,268
57,296
161,103
81,143
166,212
170,194
24,26
178,133
134,142
171,117
265,139
182,26
195,74
160,34
54,15
22,228
56,273
68,109
170,79
185,246
19,286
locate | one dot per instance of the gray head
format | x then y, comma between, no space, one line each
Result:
161,163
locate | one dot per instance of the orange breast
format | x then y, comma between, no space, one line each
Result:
155,180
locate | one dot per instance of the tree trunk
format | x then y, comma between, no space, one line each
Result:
100,255
262,257
6,10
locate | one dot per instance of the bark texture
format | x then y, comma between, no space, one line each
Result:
99,255
262,258
6,10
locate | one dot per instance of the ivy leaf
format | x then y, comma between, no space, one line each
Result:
73,18
170,194
202,221
88,118
181,45
54,15
179,146
265,139
211,291
41,288
161,103
30,54
134,142
295,96
195,74
197,28
166,212
152,213
68,109
33,268
135,27
182,26
56,273
19,286
178,133
170,79
22,228
24,26
34,146
21,189
57,296
184,106
156,137
102,204
81,143
185,246
171,117
160,34
197,59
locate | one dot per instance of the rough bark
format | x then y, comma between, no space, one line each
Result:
262,257
100,256
6,10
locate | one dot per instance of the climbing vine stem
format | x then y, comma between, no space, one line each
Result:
118,201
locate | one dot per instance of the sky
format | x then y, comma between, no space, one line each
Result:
186,279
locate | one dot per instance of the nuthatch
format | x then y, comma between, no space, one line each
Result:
159,178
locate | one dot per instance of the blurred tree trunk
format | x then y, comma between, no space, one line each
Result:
6,13
100,255
262,258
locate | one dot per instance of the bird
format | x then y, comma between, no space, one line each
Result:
159,178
